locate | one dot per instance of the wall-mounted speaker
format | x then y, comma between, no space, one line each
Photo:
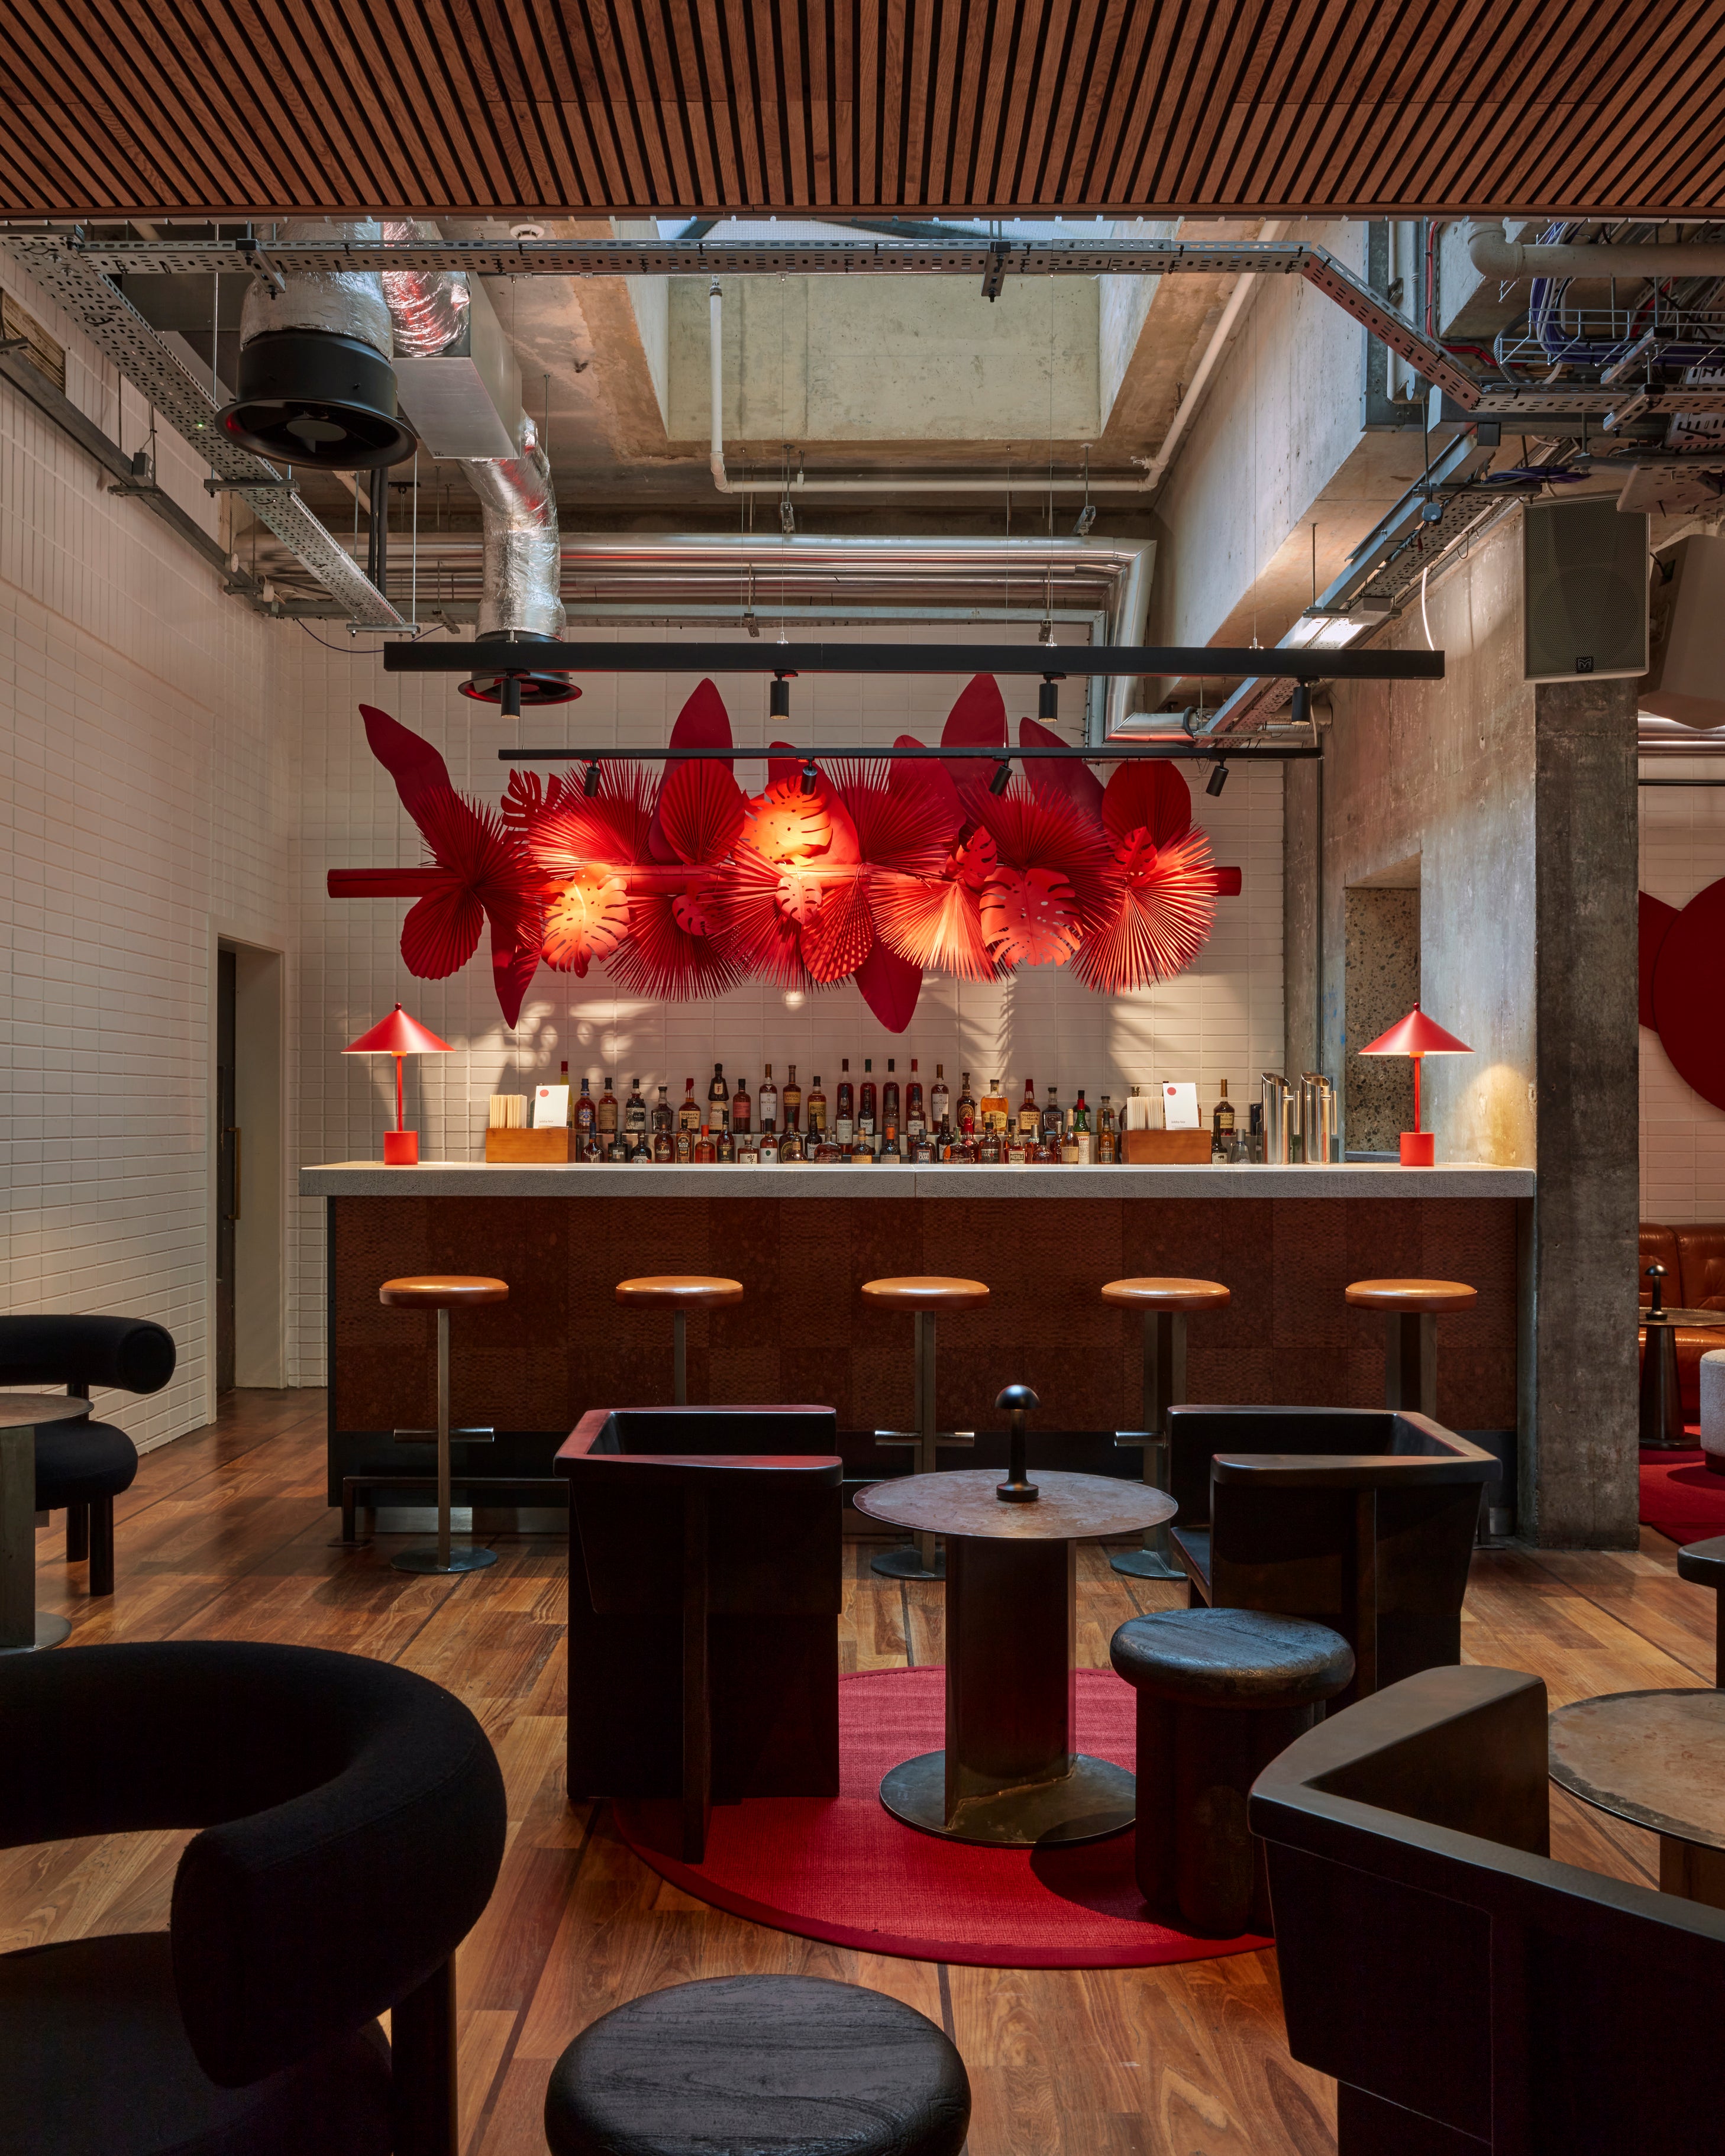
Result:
1585,590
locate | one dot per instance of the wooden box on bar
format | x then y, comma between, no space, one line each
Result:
519,1148
1165,1148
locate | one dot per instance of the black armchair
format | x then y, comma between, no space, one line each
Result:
1360,1518
1471,1997
353,1820
85,1465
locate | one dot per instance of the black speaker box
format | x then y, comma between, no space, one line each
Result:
1585,590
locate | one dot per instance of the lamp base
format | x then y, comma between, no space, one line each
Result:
401,1148
1419,1149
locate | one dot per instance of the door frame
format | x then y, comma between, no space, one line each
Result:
260,1107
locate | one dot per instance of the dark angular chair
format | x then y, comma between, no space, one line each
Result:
1471,1997
705,1586
353,1821
1359,1518
85,1465
800,2065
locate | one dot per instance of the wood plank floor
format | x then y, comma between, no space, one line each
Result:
226,1534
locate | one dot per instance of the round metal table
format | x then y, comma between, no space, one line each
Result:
1009,1775
22,1625
1662,1429
1657,1758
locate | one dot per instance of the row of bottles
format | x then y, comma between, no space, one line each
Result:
867,1120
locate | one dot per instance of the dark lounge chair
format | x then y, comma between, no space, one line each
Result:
1468,1994
1359,1518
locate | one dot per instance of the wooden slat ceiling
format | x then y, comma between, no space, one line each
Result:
1403,107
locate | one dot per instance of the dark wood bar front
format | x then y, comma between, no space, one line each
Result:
563,1346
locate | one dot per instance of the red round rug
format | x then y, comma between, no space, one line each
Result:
1681,1496
842,1869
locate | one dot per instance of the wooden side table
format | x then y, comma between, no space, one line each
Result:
22,1625
1662,1429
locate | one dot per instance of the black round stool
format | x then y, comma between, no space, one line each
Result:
796,2064
1220,1693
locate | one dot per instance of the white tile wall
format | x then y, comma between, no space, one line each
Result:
1222,1020
145,799
1682,1136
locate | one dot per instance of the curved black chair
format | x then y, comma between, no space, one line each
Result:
798,2065
84,1466
353,1820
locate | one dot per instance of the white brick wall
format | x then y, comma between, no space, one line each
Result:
144,803
1682,1136
1223,1019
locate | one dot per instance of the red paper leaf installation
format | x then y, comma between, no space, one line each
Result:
681,885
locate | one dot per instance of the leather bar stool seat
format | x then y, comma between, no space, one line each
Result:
679,1293
1220,1693
1164,1304
443,1292
799,2065
1412,1309
924,1295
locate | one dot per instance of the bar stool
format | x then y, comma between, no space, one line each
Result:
925,1295
1412,1308
443,1292
1164,1304
679,1293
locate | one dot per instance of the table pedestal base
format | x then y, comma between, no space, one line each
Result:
1692,1870
50,1631
1095,1799
469,1558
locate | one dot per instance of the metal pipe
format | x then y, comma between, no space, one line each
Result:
342,302
428,308
1128,627
1494,256
523,555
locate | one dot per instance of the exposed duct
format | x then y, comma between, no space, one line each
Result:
523,564
428,308
1494,256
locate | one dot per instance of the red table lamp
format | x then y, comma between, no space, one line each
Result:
398,1036
1419,1036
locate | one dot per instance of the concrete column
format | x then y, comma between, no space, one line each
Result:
1578,1486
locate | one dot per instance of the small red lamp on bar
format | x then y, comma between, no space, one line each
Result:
398,1036
1419,1036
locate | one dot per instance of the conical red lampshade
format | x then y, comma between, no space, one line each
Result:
1416,1034
398,1035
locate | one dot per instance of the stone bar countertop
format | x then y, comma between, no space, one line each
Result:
455,1178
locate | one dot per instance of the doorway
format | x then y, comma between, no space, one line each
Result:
247,1244
1382,984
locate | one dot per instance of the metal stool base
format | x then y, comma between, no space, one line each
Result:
1095,1799
472,1559
50,1631
1144,1564
906,1562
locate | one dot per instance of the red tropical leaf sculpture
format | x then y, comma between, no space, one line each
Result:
1164,900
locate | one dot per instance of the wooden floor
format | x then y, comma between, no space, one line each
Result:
226,1534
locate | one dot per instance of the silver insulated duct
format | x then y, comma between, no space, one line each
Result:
315,382
428,308
523,567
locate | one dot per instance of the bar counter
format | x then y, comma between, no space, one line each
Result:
802,1240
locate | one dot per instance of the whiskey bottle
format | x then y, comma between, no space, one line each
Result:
1083,1132
990,1142
768,1101
635,1113
790,1145
1054,1120
967,1109
922,1147
617,1147
866,1104
689,1115
817,1107
946,1138
770,1144
605,1120
916,1122
641,1148
718,1102
726,1145
1018,1142
862,1148
1107,1140
994,1114
585,1120
1222,1127
740,1110
1030,1118
683,1145
891,1117
844,1115
663,1118
664,1144
940,1100
705,1152
791,1105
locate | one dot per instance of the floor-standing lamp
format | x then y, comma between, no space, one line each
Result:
1419,1036
398,1036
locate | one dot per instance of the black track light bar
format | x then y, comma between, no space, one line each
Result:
1213,662
1205,748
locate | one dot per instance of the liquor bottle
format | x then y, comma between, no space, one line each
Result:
995,1113
585,1121
790,1146
940,1100
1084,1137
726,1145
891,1117
683,1145
769,1141
617,1147
1054,1120
817,1106
866,1103
1018,1142
768,1101
605,1116
990,1143
635,1113
916,1122
1222,1127
740,1110
641,1148
705,1152
945,1136
1029,1119
664,1145
662,1118
791,1105
967,1109
689,1115
922,1147
845,1119
862,1148
718,1102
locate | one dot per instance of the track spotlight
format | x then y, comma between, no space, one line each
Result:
1002,778
1301,712
1048,701
1217,780
590,782
778,698
811,776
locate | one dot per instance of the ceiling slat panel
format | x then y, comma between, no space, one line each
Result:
1292,107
